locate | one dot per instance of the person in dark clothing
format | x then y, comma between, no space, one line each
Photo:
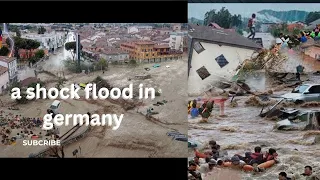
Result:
253,158
283,176
270,155
252,26
192,169
300,70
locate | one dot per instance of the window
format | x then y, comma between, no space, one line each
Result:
314,90
198,47
221,60
203,72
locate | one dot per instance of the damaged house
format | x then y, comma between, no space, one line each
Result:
214,56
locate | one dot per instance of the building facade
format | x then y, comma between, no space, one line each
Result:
115,55
4,79
11,64
147,51
48,41
214,56
176,40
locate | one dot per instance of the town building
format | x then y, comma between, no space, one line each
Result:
11,64
50,41
216,26
313,24
176,40
148,51
114,55
135,29
4,79
214,56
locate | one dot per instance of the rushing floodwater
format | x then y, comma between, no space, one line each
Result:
242,129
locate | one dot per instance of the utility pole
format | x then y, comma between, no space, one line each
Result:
78,48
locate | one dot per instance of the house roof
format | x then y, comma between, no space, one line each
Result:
113,51
3,70
310,43
315,22
221,36
144,43
7,59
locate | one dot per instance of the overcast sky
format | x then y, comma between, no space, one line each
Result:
197,10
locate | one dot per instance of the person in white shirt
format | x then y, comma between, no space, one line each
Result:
207,167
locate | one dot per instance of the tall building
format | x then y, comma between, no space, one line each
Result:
147,51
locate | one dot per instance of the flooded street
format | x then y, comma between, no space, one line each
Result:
242,129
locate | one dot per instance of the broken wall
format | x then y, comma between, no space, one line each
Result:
218,63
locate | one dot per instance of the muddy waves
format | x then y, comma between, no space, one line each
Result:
242,129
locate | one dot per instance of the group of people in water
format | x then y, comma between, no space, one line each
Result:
18,127
203,110
292,41
204,163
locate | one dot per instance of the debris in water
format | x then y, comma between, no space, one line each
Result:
229,129
255,101
311,104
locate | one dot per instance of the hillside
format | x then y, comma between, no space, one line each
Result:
269,16
281,16
195,21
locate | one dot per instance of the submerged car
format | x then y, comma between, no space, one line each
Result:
304,93
309,120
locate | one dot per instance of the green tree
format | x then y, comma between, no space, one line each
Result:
40,53
41,30
31,45
312,16
4,51
102,64
133,62
223,18
71,47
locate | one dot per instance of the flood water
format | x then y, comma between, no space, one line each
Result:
242,129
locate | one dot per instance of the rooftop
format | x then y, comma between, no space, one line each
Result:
144,43
3,70
221,36
7,59
162,46
113,51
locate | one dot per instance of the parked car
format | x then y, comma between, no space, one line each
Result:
304,93
55,106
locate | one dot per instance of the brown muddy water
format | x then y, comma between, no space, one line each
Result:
242,129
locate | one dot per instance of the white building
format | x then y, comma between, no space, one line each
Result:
214,56
135,29
4,78
50,41
71,37
176,40
11,64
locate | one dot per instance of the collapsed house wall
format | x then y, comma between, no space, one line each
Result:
207,59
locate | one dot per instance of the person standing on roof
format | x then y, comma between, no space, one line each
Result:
252,26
